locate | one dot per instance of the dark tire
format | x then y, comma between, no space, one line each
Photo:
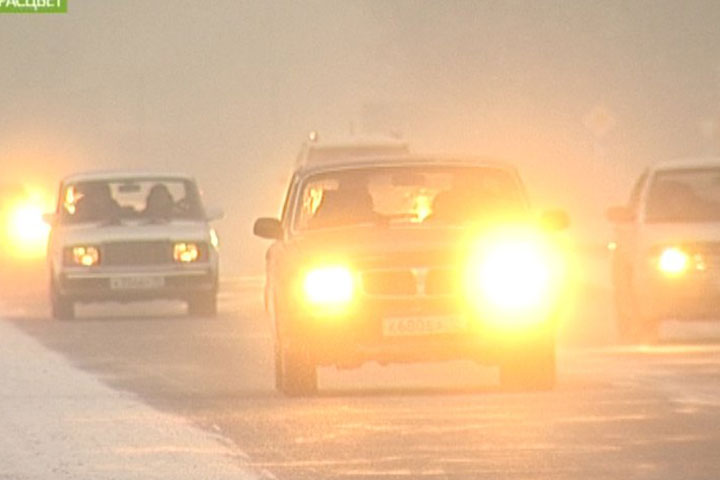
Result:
203,305
530,369
297,374
62,308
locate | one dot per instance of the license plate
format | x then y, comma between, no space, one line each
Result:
136,283
407,326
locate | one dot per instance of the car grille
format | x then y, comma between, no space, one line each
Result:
137,253
406,282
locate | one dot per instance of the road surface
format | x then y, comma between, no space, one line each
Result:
618,412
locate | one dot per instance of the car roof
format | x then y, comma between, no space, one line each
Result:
404,160
357,142
690,162
95,175
354,146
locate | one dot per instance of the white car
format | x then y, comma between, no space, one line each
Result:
127,236
666,261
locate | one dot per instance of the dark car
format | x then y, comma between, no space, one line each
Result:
411,259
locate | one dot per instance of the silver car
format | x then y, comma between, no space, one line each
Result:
127,236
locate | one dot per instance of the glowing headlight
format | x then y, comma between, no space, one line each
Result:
673,261
85,256
186,252
26,232
513,276
330,286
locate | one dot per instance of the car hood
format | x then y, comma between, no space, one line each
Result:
385,245
678,233
98,233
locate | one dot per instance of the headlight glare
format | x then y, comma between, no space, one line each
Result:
86,256
185,252
329,286
673,261
514,278
511,276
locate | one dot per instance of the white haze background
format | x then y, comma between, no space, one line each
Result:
227,90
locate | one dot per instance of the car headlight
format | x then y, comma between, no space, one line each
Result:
330,286
82,255
513,279
673,261
26,231
186,252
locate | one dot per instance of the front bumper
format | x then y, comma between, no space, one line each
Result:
352,339
695,295
136,283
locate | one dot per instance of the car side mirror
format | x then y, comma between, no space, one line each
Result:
269,228
49,218
620,214
214,213
554,220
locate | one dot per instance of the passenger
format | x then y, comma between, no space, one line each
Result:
159,203
96,203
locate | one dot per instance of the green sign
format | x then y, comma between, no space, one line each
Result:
33,6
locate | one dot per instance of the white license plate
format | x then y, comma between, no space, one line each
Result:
407,326
136,283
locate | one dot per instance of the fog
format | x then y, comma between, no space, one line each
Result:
580,96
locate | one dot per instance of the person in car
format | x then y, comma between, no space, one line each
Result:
96,203
159,203
349,204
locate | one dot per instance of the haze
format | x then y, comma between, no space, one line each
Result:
580,96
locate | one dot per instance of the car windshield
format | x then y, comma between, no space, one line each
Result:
687,195
434,195
146,200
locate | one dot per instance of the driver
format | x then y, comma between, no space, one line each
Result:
96,203
350,203
159,202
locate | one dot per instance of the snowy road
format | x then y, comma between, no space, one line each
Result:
145,392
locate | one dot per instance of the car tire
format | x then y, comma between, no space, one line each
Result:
296,374
531,369
62,308
203,305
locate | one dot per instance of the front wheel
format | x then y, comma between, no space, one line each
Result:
295,373
532,368
62,308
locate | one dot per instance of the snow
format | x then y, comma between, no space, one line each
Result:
59,423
